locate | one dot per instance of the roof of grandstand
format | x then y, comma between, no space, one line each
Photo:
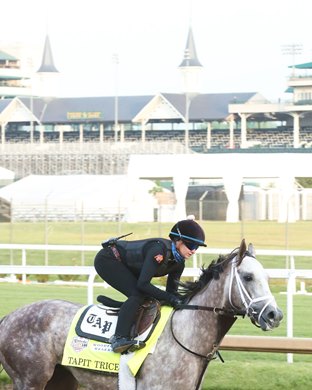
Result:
101,109
6,56
4,104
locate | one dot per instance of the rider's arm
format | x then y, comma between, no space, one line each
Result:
174,278
151,263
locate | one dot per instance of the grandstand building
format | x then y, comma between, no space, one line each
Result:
12,77
42,134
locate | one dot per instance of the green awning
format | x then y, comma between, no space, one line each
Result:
306,65
7,57
12,77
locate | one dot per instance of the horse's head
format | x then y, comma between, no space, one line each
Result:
249,291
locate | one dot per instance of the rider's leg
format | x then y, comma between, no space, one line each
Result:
116,274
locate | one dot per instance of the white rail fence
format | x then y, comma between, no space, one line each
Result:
291,273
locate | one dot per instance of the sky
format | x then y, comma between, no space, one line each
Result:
240,43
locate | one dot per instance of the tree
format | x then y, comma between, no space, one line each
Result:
305,182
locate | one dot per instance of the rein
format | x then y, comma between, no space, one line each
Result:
210,356
215,351
216,310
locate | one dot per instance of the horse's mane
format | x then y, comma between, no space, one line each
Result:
216,267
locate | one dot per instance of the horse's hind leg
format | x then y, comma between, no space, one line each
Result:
62,379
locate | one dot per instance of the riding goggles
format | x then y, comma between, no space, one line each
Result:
191,245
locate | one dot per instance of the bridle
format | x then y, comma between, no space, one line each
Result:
245,297
247,302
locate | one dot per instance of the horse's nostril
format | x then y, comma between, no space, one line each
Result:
271,315
275,315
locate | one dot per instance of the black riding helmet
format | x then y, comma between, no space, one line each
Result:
189,232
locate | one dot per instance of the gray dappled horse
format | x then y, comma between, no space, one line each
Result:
32,338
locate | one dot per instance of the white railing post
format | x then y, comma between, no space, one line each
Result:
24,263
90,286
290,291
293,268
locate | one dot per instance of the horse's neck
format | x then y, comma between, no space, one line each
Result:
213,296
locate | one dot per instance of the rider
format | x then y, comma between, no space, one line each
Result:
129,266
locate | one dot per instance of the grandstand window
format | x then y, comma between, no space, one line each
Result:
181,126
129,126
306,95
162,126
200,126
49,128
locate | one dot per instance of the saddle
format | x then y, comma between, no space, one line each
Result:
148,313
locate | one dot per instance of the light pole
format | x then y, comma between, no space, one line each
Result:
187,119
292,49
190,68
116,62
187,97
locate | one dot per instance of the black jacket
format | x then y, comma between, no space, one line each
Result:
151,258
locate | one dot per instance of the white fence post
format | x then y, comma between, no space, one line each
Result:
24,263
90,286
290,291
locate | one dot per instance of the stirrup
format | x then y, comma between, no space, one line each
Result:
121,344
138,345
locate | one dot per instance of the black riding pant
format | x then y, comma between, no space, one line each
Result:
117,275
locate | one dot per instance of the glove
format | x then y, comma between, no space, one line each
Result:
175,301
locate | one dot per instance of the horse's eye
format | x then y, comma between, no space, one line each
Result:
248,277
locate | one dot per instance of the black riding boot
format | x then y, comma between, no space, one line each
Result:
122,341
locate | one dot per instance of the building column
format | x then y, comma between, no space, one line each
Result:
122,133
296,138
41,130
143,127
244,118
231,128
232,186
81,133
61,136
208,144
180,184
101,133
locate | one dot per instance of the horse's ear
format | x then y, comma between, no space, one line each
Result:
241,251
251,250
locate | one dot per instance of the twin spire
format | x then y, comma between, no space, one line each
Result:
47,64
189,61
190,57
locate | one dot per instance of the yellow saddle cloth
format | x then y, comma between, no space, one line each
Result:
95,355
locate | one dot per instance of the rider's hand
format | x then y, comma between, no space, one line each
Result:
175,301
